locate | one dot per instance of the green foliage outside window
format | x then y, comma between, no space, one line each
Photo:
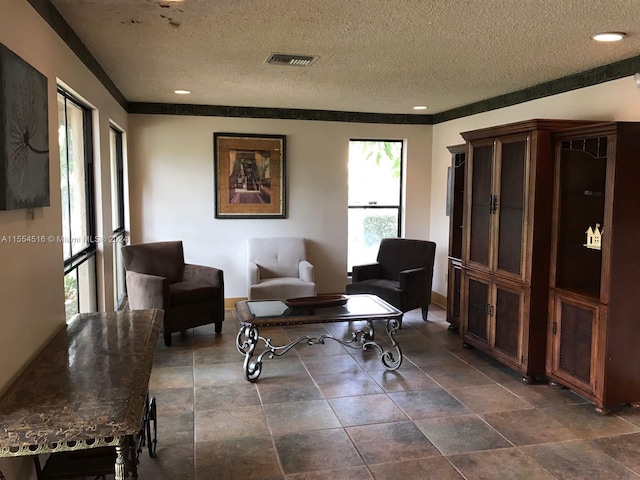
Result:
378,227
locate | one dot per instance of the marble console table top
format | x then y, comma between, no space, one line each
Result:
86,388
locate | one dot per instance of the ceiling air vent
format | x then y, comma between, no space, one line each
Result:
287,59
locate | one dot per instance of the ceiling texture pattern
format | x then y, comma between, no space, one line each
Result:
374,56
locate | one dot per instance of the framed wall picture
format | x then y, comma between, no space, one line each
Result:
24,134
249,171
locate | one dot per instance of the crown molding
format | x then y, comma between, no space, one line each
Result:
276,113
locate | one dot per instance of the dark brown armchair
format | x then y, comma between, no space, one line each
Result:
402,275
157,277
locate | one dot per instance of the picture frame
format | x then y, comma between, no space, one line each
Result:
24,134
249,175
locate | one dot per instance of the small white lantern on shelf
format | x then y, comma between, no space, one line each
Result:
594,238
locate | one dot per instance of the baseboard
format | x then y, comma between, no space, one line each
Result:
438,299
230,302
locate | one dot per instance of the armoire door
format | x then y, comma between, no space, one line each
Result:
480,206
476,309
508,317
575,329
509,205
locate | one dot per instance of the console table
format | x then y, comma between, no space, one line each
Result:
266,313
87,389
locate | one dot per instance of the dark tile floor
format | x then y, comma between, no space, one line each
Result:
325,412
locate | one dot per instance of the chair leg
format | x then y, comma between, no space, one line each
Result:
218,327
425,311
167,339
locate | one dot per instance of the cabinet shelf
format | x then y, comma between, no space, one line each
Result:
588,292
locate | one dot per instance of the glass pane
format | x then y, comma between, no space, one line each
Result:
374,173
115,147
582,194
367,226
118,270
511,206
64,180
76,176
358,306
87,285
71,294
480,204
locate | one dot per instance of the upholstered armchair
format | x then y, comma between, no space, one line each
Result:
278,268
158,277
402,275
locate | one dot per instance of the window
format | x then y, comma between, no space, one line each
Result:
375,197
117,214
76,184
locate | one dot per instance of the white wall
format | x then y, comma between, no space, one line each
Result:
617,100
31,275
172,192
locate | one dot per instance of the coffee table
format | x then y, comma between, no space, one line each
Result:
254,314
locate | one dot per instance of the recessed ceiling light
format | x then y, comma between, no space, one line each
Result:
609,36
420,107
182,92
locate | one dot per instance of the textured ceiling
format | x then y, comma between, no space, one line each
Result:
375,56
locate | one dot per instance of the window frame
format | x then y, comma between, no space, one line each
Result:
400,205
118,235
75,261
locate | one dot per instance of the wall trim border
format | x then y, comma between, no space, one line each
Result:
277,113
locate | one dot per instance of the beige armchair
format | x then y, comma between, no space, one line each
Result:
157,277
278,268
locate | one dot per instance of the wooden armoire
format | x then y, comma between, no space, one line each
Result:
506,242
594,305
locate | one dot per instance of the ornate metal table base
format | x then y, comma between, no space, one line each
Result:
249,337
100,458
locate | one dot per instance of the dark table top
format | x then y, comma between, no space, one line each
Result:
277,312
89,382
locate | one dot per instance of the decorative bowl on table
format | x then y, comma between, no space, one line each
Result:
317,302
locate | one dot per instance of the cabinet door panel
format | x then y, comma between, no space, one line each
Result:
477,308
576,335
508,316
511,204
480,218
575,332
453,293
